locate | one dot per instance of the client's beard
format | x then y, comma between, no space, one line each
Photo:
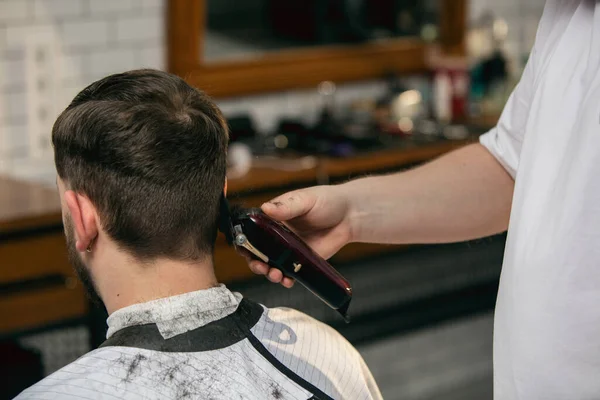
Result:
79,266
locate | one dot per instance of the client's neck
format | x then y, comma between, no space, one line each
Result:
122,281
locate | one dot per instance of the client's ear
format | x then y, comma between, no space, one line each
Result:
83,215
225,188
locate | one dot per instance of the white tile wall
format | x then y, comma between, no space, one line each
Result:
15,109
14,10
150,56
16,33
85,33
98,7
58,8
106,62
12,73
135,28
94,38
149,4
16,139
98,37
75,66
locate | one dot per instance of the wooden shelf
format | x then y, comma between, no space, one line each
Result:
264,178
31,310
25,205
261,178
388,159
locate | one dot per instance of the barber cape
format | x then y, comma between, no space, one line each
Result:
213,344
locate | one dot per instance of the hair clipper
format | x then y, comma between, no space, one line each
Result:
253,232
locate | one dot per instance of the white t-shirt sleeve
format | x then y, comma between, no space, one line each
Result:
504,141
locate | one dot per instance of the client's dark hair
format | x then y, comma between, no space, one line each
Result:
149,151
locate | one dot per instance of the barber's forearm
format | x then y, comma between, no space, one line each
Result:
463,195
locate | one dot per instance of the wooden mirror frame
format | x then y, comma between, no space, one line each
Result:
301,68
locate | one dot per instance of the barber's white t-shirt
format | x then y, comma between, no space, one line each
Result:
547,322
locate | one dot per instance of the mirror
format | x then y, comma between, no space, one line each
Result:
300,49
239,30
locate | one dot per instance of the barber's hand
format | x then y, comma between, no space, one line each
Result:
319,215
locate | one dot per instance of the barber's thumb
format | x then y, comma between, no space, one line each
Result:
277,210
285,207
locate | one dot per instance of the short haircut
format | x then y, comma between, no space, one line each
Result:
149,151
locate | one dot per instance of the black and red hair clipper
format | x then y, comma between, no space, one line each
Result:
254,233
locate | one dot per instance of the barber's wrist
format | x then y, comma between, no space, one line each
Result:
354,211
